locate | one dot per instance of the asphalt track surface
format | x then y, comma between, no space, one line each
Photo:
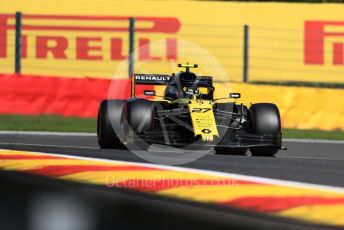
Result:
318,162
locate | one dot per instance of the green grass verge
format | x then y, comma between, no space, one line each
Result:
47,123
313,134
76,124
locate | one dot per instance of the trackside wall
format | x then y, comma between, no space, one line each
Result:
300,107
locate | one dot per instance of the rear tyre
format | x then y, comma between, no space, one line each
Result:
265,119
109,130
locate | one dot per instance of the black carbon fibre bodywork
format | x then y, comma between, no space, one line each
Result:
172,126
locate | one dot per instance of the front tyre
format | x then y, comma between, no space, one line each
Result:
231,151
140,117
265,120
264,151
109,130
140,114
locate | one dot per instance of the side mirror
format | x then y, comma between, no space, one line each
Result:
234,95
149,93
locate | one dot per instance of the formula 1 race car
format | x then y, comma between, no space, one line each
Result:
188,115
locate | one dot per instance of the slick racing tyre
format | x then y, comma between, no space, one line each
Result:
231,151
264,119
264,151
140,114
109,130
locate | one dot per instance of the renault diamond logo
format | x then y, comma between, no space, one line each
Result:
206,131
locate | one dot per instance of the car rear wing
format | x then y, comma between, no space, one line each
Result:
148,79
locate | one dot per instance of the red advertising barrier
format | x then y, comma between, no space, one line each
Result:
32,95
